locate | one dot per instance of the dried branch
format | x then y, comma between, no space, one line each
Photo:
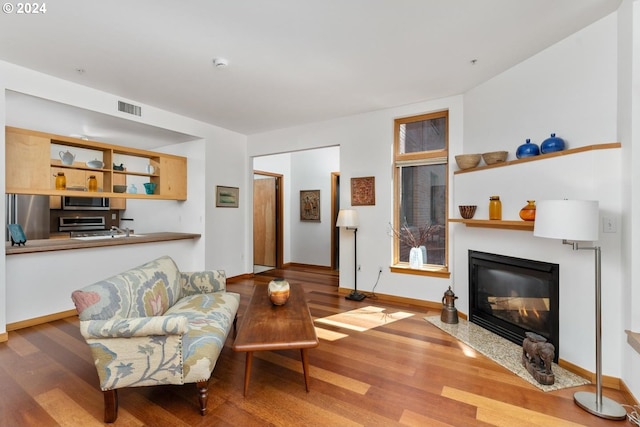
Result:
409,238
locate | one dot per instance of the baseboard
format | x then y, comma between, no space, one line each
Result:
40,320
430,305
311,266
607,381
4,337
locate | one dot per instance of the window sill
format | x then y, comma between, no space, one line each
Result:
440,272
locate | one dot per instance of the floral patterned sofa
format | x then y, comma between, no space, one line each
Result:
155,325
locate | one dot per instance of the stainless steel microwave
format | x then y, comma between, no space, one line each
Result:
73,203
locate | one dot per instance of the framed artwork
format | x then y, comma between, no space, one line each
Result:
310,205
363,191
227,197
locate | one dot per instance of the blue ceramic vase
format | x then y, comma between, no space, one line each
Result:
527,150
552,144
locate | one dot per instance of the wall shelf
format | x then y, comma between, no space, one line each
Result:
486,223
605,146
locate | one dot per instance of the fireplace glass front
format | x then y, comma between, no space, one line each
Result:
511,296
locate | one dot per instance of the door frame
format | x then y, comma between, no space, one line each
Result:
335,208
279,215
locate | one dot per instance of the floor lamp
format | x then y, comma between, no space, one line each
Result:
348,218
571,221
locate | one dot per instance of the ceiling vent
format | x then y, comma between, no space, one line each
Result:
129,108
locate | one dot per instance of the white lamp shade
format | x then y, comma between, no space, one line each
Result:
575,220
347,218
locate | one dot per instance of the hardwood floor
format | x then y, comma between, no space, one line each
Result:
403,373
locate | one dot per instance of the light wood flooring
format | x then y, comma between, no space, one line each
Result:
403,373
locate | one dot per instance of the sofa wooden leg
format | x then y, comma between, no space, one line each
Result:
110,405
203,395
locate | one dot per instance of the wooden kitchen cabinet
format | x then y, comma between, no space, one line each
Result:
30,168
27,161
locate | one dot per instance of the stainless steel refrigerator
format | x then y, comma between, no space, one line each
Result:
31,212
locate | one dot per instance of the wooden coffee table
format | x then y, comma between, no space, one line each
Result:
265,326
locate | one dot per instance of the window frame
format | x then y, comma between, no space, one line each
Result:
439,156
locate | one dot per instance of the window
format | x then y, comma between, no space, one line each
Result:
420,180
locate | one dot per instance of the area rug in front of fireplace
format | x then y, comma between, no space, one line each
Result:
363,319
504,352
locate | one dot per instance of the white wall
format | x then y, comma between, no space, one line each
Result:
629,130
219,158
366,149
311,170
570,89
305,242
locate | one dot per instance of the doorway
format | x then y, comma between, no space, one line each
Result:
267,220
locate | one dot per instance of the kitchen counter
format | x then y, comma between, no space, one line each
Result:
49,245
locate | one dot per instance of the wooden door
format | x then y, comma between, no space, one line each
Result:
264,221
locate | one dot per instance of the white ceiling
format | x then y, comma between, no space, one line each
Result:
290,61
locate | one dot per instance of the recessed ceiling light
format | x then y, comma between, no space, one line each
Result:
220,62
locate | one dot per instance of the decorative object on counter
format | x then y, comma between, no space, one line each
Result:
467,211
528,149
67,158
150,169
449,313
149,187
132,189
537,357
61,181
119,188
528,213
468,161
92,183
118,168
95,164
278,291
495,208
17,234
494,157
552,144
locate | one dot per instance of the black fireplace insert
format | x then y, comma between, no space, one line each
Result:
511,296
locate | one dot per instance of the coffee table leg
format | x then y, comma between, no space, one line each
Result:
305,367
247,371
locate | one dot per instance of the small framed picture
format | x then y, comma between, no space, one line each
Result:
310,205
227,197
363,191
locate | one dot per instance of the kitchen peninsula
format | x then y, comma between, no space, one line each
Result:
48,245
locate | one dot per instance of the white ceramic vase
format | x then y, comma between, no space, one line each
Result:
415,258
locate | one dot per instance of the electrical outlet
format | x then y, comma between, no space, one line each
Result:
359,267
380,269
609,225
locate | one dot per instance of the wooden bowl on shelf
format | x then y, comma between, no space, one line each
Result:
468,161
467,211
495,157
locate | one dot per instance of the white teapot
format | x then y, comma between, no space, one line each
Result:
67,158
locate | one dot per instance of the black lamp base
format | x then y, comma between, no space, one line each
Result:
355,296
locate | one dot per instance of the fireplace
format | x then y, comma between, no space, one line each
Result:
511,296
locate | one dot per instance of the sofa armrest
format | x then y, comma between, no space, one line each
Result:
134,327
202,282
